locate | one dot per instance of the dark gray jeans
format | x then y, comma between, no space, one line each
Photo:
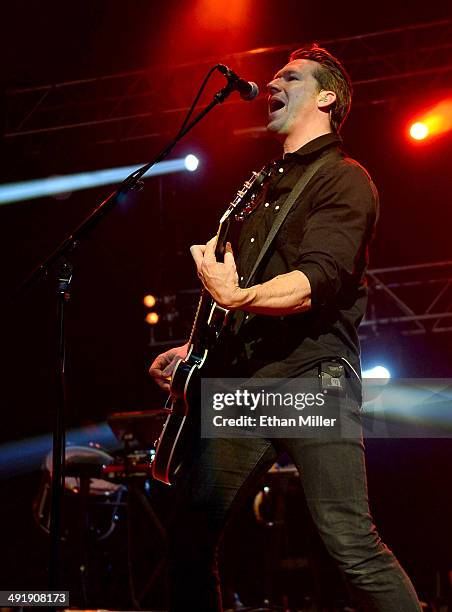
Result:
333,475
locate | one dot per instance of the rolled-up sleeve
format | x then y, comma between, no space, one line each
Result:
337,232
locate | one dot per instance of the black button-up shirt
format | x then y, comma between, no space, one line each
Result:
325,235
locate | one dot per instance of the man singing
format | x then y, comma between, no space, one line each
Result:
298,316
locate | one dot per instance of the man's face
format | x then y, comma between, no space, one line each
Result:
293,96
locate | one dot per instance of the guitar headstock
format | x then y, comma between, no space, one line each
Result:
246,195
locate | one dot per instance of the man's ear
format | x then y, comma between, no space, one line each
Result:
325,98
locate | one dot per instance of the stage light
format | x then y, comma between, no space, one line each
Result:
149,301
23,456
435,121
211,15
419,131
375,381
377,372
191,162
152,318
29,190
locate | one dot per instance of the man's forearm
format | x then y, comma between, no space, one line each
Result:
288,293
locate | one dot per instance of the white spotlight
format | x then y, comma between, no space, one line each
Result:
38,188
191,162
377,372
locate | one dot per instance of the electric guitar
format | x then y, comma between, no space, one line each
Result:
210,319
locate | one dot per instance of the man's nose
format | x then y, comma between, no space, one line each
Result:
273,87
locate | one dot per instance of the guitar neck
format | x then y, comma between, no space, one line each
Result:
201,334
200,331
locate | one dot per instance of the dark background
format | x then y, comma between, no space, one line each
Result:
142,246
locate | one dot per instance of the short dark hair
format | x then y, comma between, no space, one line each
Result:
330,75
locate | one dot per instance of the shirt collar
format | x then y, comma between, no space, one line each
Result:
315,146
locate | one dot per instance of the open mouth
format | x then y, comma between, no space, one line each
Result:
275,105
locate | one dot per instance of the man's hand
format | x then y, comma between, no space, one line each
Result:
219,278
286,294
163,366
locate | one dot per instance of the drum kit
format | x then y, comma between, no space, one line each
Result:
95,478
99,487
85,480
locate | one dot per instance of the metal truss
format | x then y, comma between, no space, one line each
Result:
413,299
408,300
134,105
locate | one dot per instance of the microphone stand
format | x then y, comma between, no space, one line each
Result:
64,272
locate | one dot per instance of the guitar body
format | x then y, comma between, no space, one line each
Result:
182,425
182,422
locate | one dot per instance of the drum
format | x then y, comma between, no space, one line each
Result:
267,502
86,492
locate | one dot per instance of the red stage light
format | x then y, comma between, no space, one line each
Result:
437,120
212,13
419,131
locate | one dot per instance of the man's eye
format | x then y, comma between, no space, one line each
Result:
292,77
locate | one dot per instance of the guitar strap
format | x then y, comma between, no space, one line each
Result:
293,196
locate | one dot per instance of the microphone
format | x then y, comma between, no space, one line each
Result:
247,89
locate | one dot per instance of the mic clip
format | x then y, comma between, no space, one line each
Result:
247,89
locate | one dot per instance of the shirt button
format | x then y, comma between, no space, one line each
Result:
252,240
267,204
280,169
276,207
241,278
247,317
